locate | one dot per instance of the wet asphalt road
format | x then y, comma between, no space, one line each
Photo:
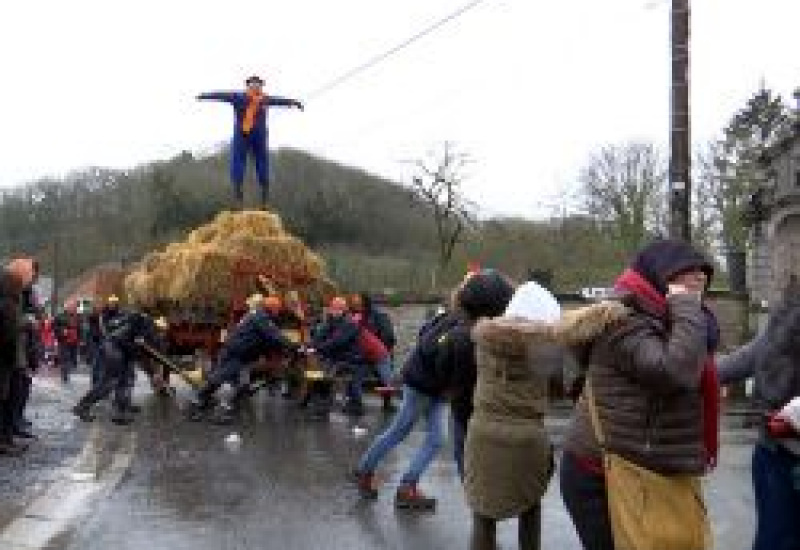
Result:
287,488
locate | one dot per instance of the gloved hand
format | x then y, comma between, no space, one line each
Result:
791,414
299,105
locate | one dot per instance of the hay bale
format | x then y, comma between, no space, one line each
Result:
199,271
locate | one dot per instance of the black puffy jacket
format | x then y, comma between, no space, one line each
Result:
254,336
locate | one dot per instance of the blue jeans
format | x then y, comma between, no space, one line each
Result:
228,369
384,369
776,483
414,406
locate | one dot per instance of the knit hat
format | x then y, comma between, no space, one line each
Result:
533,302
661,260
484,294
791,413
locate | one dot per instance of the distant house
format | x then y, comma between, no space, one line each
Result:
775,213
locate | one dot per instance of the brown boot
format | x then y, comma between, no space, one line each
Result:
367,485
410,497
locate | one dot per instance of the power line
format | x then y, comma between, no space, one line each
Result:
382,56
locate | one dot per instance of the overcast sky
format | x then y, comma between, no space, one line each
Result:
529,89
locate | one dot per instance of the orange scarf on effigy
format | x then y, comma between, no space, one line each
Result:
254,100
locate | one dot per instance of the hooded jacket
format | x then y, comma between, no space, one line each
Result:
483,295
508,456
647,370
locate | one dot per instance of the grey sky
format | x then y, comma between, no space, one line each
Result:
529,89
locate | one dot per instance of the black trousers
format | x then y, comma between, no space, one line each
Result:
484,530
584,495
15,389
21,384
118,370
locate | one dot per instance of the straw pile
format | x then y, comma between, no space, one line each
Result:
200,271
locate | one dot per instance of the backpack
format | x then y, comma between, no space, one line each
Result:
420,366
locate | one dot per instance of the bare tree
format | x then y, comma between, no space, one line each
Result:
624,188
707,195
438,184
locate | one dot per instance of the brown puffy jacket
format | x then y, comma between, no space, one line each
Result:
645,373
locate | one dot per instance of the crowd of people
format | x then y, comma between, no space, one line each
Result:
645,429
644,432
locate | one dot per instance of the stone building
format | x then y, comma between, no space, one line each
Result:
775,213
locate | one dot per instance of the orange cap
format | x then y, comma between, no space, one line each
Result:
273,303
24,270
338,303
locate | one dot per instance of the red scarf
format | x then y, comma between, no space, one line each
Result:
632,281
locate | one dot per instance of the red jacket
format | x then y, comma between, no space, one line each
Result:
373,350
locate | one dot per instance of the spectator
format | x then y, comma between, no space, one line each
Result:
68,335
653,387
773,360
483,294
509,459
16,277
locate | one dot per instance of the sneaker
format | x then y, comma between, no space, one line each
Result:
83,413
410,497
12,449
367,484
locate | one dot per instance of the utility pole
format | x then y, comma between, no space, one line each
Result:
680,185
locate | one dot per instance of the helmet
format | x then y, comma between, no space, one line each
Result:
24,270
338,304
112,300
255,300
162,323
273,303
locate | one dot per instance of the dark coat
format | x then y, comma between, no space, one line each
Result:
10,323
422,369
645,373
772,358
337,340
483,295
254,336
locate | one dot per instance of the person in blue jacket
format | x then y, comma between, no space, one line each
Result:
254,336
337,341
250,132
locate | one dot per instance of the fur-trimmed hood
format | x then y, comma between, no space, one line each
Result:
506,336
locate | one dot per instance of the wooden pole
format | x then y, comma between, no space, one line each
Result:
680,185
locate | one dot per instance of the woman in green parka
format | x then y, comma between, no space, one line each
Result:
508,455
